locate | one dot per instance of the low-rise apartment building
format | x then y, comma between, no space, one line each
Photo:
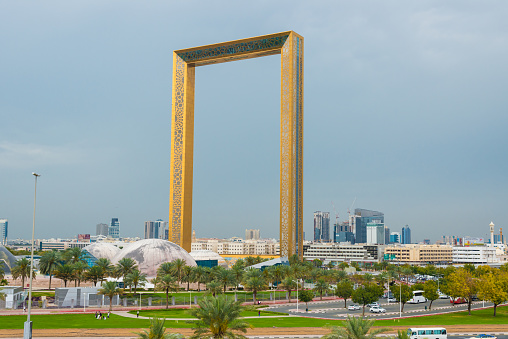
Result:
418,254
333,252
477,255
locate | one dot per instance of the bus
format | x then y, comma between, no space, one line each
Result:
417,298
427,333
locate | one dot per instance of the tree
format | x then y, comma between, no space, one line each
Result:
462,283
178,266
402,293
305,296
109,289
430,292
22,270
225,277
105,266
344,290
317,262
355,328
136,278
255,284
367,294
65,272
80,269
49,261
199,275
187,276
73,255
94,274
219,318
157,331
493,287
214,288
166,283
321,287
289,284
125,266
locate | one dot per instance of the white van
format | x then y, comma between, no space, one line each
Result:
417,298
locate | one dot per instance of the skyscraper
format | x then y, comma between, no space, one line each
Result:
406,235
322,226
361,219
155,229
4,228
252,234
114,228
375,233
102,229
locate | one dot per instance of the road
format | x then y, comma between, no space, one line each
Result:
335,309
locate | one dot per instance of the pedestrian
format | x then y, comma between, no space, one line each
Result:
108,314
259,313
137,314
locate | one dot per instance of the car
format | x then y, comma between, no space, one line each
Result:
377,309
353,307
374,304
484,336
442,295
391,300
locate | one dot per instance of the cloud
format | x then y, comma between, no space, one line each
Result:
16,155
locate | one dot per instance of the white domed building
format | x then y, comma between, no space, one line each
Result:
206,255
102,250
149,254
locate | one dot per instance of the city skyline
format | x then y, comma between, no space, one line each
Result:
404,110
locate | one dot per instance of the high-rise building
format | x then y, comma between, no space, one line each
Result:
361,219
252,234
102,229
387,235
322,226
155,229
406,235
4,228
114,228
375,233
395,238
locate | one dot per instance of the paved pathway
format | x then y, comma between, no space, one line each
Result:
130,315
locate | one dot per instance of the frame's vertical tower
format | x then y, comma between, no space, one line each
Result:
290,45
291,147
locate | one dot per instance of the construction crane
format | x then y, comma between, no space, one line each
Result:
349,209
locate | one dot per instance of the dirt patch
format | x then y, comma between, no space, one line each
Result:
272,331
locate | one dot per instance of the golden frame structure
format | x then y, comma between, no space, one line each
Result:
290,46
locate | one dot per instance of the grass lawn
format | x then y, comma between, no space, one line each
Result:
183,313
89,321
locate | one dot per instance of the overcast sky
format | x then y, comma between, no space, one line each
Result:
405,109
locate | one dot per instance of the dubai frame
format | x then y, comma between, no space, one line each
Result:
290,46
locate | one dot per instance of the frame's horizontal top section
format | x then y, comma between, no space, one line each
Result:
234,50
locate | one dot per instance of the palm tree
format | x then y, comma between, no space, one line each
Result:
125,266
321,287
187,276
73,255
95,274
105,266
136,278
165,268
109,289
48,262
157,331
289,285
255,284
219,318
225,277
199,273
214,288
80,269
65,272
355,328
22,270
178,266
166,283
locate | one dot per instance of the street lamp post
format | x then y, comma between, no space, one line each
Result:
297,283
27,332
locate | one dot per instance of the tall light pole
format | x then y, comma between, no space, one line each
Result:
27,333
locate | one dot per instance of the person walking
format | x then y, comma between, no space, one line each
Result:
137,314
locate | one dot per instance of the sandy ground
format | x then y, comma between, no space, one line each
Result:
281,331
